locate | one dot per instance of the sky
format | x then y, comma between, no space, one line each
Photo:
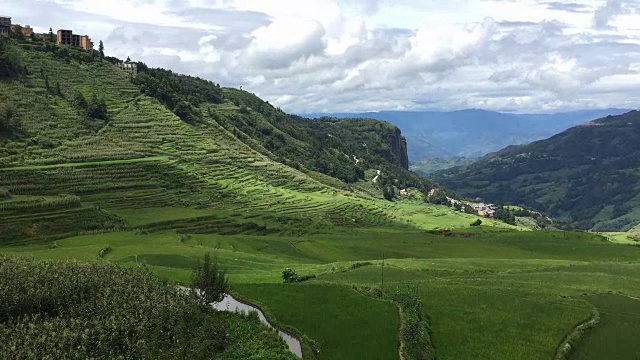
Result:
371,55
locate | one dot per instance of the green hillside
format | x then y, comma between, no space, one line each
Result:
587,177
138,179
83,146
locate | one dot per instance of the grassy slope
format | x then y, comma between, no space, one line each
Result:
588,187
167,192
618,321
146,159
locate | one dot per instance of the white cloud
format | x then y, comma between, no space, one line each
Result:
365,55
284,41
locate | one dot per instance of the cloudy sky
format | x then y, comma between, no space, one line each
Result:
369,55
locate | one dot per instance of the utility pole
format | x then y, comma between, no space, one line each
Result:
382,287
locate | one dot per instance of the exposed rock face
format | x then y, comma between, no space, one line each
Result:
398,145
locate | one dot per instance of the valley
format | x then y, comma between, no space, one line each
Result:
178,167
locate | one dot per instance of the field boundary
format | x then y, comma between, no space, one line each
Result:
309,346
403,347
88,163
571,341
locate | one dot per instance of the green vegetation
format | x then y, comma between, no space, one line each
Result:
4,194
592,186
343,323
209,282
429,166
415,331
10,65
177,167
103,311
618,321
515,295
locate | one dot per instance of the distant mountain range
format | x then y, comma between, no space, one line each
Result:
474,133
587,176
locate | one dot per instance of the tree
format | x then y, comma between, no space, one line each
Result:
10,65
128,59
97,108
388,193
185,111
79,101
101,50
209,282
58,90
7,118
51,36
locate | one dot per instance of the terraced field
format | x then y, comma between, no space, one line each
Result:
146,189
513,295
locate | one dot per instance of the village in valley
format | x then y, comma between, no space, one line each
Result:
479,208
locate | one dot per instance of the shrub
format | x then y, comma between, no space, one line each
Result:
104,251
4,194
8,121
360,264
476,223
289,276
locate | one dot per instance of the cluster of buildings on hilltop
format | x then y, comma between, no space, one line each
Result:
130,67
62,38
5,25
68,38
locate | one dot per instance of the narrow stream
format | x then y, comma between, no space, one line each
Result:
231,304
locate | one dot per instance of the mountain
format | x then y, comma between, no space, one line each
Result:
83,147
474,133
429,166
587,176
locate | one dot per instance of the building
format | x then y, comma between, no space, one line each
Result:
85,43
68,38
130,67
5,25
65,37
27,31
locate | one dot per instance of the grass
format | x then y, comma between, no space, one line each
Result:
622,237
495,323
161,193
612,338
88,163
514,295
344,323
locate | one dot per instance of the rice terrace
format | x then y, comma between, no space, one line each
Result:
114,186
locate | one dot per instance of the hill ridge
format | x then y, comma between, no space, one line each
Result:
587,176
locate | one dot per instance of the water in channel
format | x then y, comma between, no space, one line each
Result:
229,303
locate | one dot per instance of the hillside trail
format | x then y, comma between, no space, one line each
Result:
631,297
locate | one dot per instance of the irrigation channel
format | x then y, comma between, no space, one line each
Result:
229,303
